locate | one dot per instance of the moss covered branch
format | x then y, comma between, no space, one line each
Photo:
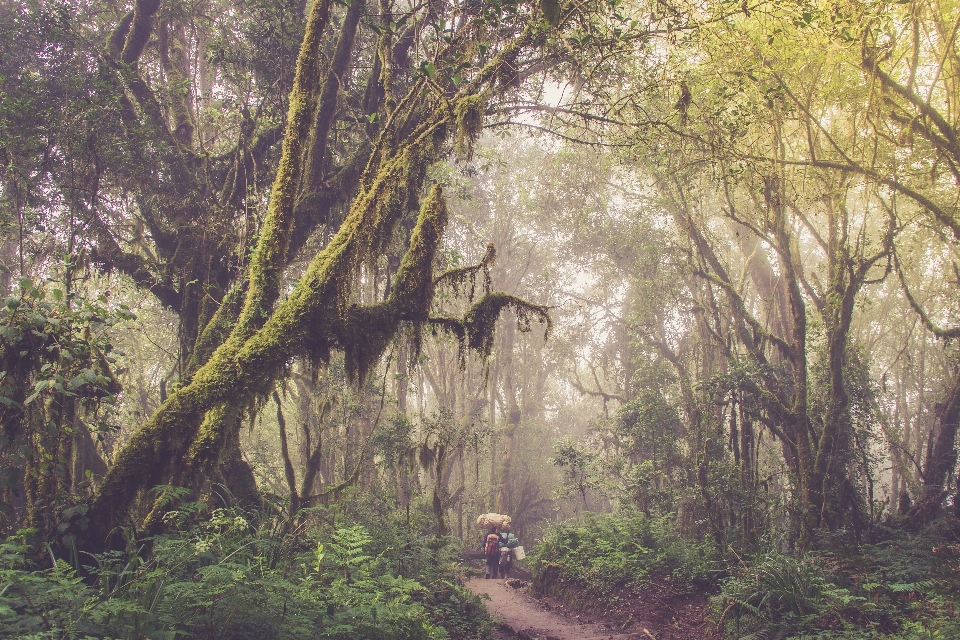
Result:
269,257
458,277
316,154
137,30
475,330
244,368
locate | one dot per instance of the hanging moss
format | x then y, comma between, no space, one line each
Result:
468,114
367,331
453,326
457,278
364,336
476,329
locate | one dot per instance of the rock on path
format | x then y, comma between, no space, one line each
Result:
531,619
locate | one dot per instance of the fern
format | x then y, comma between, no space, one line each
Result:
227,587
924,587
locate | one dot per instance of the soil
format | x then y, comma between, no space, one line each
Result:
656,611
670,613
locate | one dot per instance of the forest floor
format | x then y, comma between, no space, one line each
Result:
655,612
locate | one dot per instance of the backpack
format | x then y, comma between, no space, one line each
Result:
492,548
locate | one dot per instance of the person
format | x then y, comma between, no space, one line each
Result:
491,551
506,562
508,542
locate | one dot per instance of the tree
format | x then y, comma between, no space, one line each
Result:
197,420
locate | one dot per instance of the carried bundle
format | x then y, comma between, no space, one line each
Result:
491,520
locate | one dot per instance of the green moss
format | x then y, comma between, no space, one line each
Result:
364,336
468,113
457,278
216,331
367,331
210,436
476,329
413,287
269,256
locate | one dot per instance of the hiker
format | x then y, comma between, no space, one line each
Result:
508,542
506,562
491,551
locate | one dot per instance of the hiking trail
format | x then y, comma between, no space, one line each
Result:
531,619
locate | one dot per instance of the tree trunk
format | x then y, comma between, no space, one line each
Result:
504,489
941,453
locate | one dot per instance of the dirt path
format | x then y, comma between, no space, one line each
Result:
533,620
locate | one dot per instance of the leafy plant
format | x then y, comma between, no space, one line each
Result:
215,578
902,585
56,382
606,552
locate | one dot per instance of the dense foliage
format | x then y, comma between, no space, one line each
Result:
900,585
603,553
228,574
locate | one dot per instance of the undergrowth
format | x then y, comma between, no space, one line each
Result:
603,553
902,585
227,574
899,585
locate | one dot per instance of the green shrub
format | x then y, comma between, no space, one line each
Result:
885,590
606,552
223,577
780,592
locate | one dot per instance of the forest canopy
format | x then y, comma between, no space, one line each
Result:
318,265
